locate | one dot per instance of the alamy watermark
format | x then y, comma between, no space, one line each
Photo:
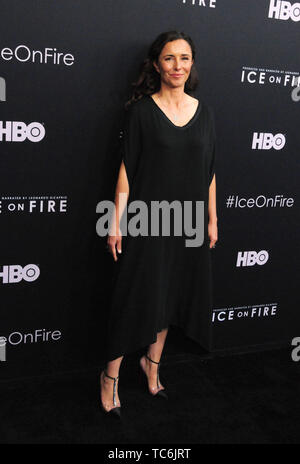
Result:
295,94
138,225
2,89
2,349
296,351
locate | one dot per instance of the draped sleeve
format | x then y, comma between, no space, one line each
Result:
213,145
131,142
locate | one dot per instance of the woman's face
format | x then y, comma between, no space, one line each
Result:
175,62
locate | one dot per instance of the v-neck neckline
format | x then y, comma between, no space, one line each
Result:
188,124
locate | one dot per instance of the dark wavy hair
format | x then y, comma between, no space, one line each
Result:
148,81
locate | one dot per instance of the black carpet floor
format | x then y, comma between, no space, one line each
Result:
214,399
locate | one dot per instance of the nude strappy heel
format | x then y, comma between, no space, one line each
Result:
116,411
160,393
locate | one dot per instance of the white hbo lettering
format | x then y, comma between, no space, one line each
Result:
250,258
16,131
46,56
33,204
14,273
261,201
208,3
266,141
39,335
244,312
262,76
284,10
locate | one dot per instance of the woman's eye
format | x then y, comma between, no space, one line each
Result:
185,58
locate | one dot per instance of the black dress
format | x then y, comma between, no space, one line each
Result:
158,281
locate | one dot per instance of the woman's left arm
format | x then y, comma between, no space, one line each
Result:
212,213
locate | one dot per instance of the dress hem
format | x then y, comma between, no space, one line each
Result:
110,358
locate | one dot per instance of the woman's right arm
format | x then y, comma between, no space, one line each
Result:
115,237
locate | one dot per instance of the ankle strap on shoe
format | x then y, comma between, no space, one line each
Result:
151,359
115,383
157,381
113,378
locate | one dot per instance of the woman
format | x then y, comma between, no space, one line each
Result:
168,153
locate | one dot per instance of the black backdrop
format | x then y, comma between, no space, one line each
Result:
55,274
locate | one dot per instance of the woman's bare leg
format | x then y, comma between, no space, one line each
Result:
154,352
107,384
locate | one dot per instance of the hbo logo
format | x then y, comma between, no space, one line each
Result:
249,258
15,131
284,10
15,273
266,141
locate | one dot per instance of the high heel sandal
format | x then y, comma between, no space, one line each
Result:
160,393
116,411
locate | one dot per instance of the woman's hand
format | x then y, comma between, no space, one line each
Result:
114,242
212,233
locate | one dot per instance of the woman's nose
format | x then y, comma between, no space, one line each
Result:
177,64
